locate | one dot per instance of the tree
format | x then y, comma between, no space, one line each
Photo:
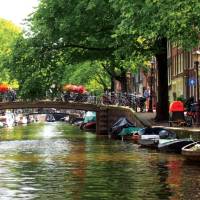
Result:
36,69
50,52
85,30
156,22
90,74
8,35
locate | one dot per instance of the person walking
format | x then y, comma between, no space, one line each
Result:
146,94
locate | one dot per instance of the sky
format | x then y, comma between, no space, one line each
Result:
17,10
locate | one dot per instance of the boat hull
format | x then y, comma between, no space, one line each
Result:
149,141
175,145
90,126
189,153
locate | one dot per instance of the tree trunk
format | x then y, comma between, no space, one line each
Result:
112,80
123,83
162,110
122,79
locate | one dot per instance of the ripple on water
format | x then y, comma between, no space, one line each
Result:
52,146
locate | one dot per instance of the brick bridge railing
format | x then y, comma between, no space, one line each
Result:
106,114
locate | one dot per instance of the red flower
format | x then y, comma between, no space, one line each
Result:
4,87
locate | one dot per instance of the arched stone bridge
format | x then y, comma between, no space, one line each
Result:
106,115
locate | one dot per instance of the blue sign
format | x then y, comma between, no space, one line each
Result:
192,81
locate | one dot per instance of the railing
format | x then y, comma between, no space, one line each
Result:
121,99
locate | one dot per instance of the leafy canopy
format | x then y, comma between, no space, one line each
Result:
8,35
178,21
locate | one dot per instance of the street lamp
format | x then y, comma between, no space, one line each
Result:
153,62
195,56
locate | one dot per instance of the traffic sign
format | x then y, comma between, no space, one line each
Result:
192,81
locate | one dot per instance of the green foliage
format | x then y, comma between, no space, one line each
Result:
35,68
78,32
181,98
154,22
8,35
93,42
177,21
90,74
76,23
86,30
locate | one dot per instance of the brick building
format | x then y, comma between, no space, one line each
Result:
181,73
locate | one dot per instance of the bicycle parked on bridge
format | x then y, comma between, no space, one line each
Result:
109,99
75,97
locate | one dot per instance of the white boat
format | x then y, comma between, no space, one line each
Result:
1,124
192,151
173,145
149,140
10,119
24,120
151,137
20,119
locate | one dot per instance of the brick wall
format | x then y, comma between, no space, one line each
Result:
107,116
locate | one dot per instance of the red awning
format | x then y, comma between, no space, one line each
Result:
176,106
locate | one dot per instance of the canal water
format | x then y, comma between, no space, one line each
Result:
56,161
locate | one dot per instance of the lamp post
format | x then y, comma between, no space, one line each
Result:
151,86
195,56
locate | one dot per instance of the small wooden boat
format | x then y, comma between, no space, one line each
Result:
192,151
90,126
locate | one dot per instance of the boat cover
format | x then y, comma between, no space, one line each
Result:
120,124
90,117
129,131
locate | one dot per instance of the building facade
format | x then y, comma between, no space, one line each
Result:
146,80
181,73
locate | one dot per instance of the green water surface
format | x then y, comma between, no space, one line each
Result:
56,161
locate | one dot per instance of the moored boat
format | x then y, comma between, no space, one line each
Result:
50,118
129,133
89,117
123,129
192,151
89,122
149,141
151,136
173,145
89,126
162,139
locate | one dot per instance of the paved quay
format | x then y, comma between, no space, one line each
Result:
147,119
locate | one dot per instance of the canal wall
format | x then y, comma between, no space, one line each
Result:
111,114
108,115
185,132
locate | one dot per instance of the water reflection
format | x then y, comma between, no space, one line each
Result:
50,131
57,161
